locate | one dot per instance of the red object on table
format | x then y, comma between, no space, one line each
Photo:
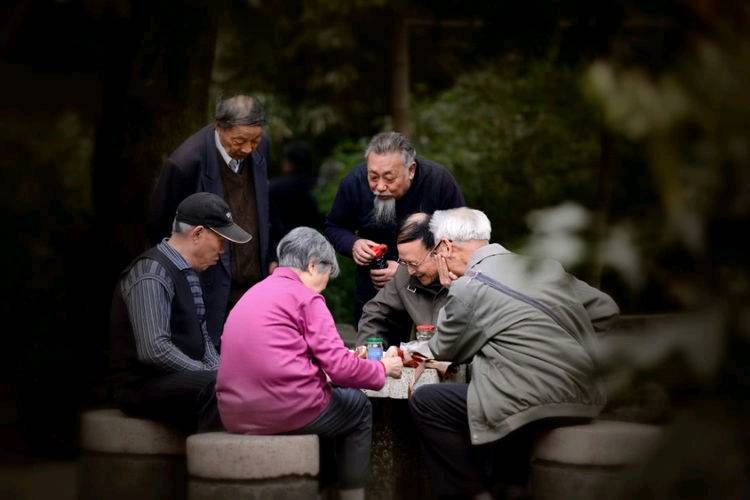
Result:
411,362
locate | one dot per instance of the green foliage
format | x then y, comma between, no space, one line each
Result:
339,294
517,137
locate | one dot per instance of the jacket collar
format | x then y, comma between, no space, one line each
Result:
482,253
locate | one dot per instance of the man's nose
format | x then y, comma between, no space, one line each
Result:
246,149
381,187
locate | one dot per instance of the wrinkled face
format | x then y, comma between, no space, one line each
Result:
207,248
387,176
239,141
418,261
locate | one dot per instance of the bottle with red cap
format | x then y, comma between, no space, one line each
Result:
379,261
425,332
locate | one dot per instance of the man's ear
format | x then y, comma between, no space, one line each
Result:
412,168
448,248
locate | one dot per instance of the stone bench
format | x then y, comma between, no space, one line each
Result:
589,461
125,457
111,431
224,465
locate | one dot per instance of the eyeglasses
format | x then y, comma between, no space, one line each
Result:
415,265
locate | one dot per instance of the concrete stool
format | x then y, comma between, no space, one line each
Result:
111,431
589,461
221,455
127,458
224,465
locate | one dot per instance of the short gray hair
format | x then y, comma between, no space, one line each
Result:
460,224
392,142
240,110
304,245
179,227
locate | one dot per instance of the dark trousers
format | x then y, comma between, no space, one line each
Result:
459,469
185,400
345,429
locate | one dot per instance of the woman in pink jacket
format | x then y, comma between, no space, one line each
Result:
278,345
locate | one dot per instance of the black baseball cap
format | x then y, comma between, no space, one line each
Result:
211,211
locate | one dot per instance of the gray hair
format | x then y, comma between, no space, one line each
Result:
181,227
304,245
239,110
392,142
460,224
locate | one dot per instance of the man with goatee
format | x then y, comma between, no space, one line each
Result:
374,199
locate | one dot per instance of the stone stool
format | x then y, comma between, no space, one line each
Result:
224,465
111,431
125,457
589,461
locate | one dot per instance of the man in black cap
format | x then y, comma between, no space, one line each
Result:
163,362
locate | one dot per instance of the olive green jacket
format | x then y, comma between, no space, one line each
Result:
402,303
524,366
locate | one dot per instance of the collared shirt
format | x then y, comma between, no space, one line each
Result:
233,166
148,291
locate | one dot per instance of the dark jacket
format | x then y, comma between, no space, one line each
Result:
194,167
293,204
433,188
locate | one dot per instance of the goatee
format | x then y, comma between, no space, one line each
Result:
384,211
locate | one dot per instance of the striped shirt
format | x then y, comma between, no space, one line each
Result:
148,291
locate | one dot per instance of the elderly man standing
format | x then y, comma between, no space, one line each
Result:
526,327
374,199
414,295
228,157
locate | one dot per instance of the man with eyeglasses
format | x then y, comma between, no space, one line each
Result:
229,158
525,327
375,198
414,295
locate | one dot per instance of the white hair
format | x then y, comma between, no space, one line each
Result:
460,224
304,245
384,211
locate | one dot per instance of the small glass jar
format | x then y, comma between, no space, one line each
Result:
374,348
425,332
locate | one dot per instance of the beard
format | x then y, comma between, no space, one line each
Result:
384,211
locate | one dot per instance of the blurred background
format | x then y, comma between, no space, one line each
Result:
612,136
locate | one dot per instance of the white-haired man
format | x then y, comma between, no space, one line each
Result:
525,326
376,197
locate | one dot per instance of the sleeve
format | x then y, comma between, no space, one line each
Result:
149,305
601,308
385,316
334,358
264,150
341,221
211,356
458,336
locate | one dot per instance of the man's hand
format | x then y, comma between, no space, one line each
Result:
446,277
362,253
380,277
393,366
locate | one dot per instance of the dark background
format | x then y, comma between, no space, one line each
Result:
635,110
